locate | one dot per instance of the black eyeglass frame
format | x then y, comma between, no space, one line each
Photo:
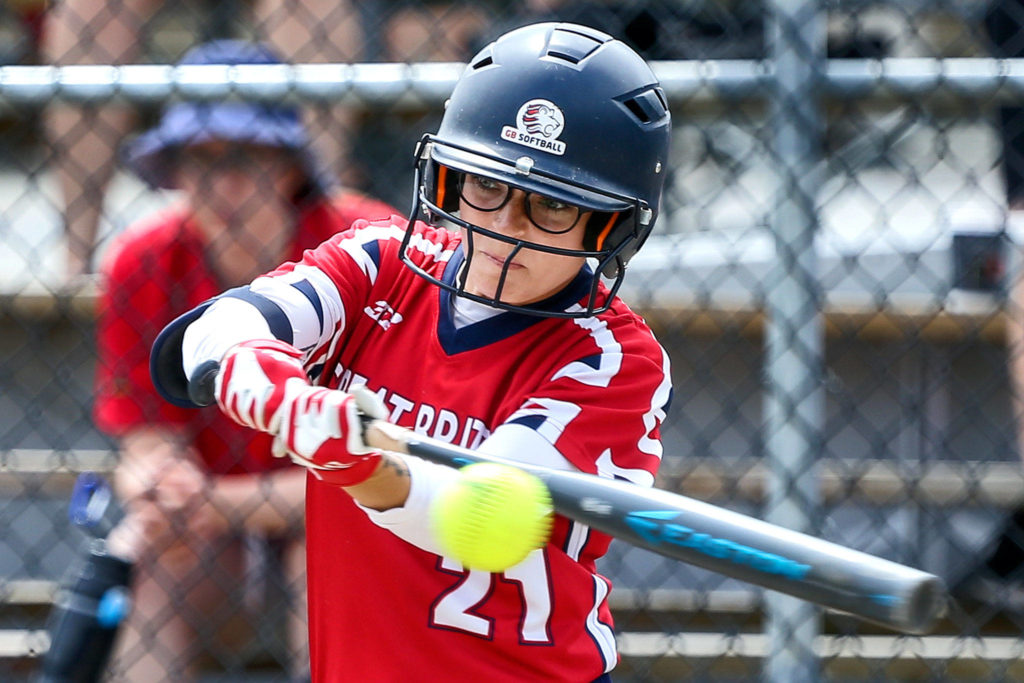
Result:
460,184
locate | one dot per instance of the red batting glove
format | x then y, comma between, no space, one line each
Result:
322,429
252,380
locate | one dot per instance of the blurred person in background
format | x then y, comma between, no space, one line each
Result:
195,485
661,29
85,139
436,30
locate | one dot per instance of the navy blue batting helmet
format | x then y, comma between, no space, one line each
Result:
564,111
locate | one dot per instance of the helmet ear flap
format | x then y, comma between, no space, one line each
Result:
442,186
450,182
600,232
437,186
608,232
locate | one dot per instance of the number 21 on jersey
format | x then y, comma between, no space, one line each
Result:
456,608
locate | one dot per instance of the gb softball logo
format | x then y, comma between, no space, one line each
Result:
538,125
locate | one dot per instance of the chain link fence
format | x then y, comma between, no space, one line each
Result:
833,276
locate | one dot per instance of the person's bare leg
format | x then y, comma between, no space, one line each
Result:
178,605
84,141
318,31
150,646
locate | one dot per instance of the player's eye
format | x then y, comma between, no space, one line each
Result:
551,204
483,193
482,184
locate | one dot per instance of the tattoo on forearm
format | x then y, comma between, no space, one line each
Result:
396,465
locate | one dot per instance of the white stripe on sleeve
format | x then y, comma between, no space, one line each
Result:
522,444
226,322
307,330
608,359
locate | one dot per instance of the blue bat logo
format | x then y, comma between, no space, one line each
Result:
655,527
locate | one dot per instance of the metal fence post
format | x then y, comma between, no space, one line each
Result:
794,354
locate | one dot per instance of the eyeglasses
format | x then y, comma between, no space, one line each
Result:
550,215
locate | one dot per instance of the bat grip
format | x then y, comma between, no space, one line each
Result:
202,383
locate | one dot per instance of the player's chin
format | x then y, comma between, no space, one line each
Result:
487,288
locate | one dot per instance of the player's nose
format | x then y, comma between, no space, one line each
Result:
511,219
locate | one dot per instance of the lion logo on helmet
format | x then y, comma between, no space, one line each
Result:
540,118
538,125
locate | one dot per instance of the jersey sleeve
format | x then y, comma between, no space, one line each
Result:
602,410
322,292
306,303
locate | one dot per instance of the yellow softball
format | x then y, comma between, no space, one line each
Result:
491,516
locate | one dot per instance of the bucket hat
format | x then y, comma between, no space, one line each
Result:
150,155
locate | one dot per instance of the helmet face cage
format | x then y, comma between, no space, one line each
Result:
436,200
562,111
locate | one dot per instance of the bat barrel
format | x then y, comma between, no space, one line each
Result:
727,542
926,604
752,550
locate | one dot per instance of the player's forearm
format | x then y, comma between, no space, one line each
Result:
387,488
271,503
399,495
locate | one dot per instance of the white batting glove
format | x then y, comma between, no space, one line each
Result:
252,382
322,429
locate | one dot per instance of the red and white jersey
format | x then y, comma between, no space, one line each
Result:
382,609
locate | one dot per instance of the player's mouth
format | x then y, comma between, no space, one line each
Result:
499,260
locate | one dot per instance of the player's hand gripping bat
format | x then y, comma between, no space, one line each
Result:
708,536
